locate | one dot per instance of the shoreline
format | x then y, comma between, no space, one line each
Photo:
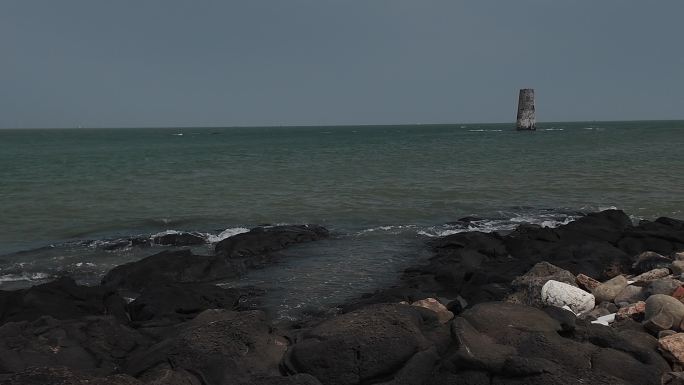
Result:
442,323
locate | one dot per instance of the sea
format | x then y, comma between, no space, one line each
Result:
383,192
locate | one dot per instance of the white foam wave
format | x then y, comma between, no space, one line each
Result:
81,264
166,232
389,229
553,129
227,233
23,277
492,225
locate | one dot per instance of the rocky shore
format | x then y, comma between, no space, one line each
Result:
596,301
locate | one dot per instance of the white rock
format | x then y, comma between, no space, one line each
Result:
610,318
560,294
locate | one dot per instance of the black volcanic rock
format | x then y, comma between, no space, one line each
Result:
216,347
369,344
168,267
234,255
93,345
179,239
61,375
605,226
262,240
516,344
663,236
177,302
61,299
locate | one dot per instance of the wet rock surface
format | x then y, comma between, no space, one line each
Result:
480,311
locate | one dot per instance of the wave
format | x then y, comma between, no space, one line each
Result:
392,229
500,224
30,277
227,233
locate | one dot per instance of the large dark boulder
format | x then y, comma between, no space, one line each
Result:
663,236
169,303
93,345
606,226
216,347
262,240
61,299
517,344
168,267
369,345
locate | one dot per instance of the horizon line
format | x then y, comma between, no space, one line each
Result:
333,125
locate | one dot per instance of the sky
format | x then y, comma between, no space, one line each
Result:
139,63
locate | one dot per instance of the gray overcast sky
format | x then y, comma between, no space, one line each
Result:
256,62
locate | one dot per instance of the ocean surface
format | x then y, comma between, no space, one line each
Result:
382,190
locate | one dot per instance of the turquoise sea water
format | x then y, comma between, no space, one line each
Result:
60,186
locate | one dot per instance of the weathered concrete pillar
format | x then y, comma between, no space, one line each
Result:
526,119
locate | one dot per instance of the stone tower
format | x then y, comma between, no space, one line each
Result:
526,119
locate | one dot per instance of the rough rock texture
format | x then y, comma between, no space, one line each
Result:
652,275
673,347
168,267
178,302
216,347
61,299
368,344
65,376
262,240
634,311
514,344
561,294
443,314
527,288
94,345
587,283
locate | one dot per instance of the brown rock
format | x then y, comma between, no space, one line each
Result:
677,266
443,315
672,378
679,293
651,275
586,282
631,311
630,294
608,290
673,348
663,312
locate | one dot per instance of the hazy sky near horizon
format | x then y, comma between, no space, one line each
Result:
104,63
